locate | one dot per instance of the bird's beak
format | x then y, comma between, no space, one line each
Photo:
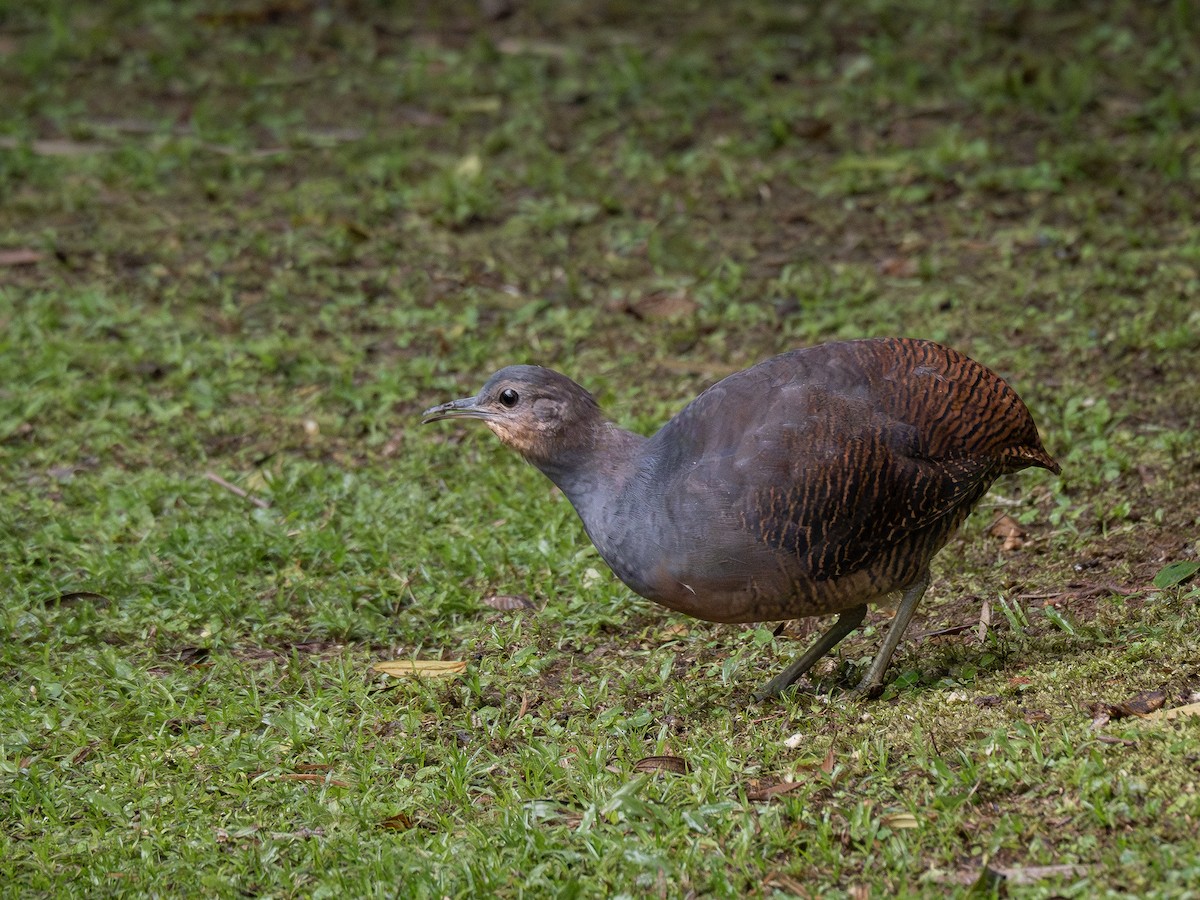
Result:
465,408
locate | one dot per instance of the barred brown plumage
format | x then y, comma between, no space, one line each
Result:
815,482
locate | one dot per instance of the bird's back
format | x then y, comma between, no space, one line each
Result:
818,479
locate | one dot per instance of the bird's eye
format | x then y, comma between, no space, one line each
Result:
509,398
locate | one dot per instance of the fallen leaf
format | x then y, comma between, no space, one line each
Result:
759,791
20,257
673,631
675,764
661,306
900,820
508,602
897,267
828,763
1006,528
84,752
398,822
1143,704
426,668
1140,706
985,620
787,883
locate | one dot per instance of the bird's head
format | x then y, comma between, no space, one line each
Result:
538,412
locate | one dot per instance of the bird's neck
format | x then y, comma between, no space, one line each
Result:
596,473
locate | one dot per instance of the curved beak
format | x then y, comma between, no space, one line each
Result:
465,408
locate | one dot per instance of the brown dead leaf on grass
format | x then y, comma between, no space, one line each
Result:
900,821
985,621
674,631
784,882
898,267
1140,706
20,257
1009,531
661,306
237,491
675,764
828,762
422,668
508,602
398,822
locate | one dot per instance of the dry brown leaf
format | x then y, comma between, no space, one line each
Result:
84,752
759,791
675,764
898,267
785,882
424,668
900,820
674,631
827,764
660,306
985,620
398,822
1007,529
20,257
1142,705
508,602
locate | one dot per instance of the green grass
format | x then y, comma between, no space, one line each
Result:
269,235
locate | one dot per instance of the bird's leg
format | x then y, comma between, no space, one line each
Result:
873,680
846,623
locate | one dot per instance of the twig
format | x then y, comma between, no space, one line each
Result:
234,489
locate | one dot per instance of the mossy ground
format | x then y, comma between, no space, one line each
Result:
257,239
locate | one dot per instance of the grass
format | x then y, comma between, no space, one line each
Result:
259,239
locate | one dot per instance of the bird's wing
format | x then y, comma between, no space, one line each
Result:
836,498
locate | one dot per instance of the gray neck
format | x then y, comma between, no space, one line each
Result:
597,476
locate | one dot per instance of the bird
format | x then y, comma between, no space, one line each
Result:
819,481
